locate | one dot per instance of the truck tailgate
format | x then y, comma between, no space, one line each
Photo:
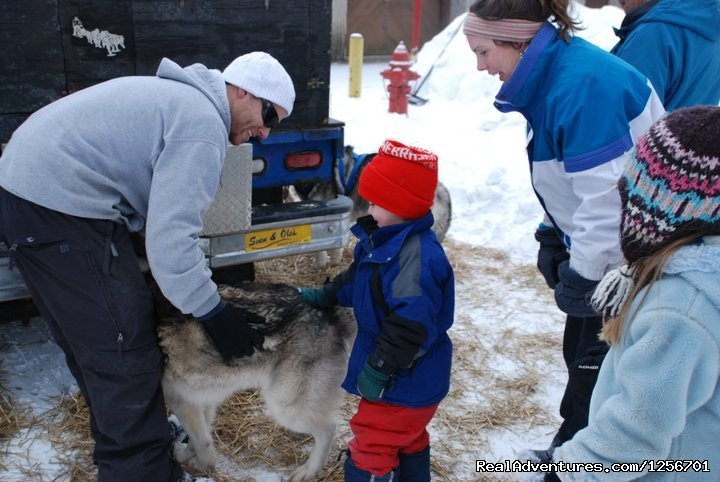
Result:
283,230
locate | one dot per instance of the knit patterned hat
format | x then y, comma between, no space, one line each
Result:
671,184
401,179
262,75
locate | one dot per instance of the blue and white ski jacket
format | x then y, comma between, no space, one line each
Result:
675,43
585,109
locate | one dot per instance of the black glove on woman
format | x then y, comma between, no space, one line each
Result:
552,252
573,292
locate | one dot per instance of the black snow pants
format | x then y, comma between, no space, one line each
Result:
583,353
84,278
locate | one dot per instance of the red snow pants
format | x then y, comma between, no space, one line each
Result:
382,431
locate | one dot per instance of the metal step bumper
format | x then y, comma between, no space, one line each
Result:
288,229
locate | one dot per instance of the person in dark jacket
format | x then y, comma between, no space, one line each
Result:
676,44
402,289
78,177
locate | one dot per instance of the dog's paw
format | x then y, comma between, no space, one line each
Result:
201,460
322,260
335,256
186,454
303,474
183,452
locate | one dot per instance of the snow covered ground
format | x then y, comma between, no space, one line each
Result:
507,326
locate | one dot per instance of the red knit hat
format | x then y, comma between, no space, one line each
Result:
401,179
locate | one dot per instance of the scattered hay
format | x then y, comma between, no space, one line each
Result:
470,262
299,270
68,429
12,417
485,400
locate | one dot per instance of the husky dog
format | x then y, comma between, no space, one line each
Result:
298,371
346,182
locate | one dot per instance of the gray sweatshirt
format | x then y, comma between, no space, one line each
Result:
143,151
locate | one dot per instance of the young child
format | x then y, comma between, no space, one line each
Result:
657,397
401,287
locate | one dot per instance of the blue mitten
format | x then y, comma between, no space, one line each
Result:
314,297
573,292
371,383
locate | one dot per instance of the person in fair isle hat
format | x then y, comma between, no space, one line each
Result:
133,154
402,289
658,393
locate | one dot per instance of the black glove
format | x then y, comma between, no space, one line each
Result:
552,252
231,334
573,292
540,457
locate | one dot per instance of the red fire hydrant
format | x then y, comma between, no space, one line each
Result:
399,77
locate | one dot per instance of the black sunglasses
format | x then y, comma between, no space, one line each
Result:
269,114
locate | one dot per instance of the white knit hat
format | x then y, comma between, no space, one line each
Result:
262,75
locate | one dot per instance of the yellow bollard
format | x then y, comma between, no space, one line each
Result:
355,63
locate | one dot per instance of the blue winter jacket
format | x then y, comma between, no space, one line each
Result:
658,393
585,109
417,284
676,43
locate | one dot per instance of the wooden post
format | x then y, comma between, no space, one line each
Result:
355,64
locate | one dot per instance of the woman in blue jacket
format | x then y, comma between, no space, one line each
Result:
584,108
676,43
